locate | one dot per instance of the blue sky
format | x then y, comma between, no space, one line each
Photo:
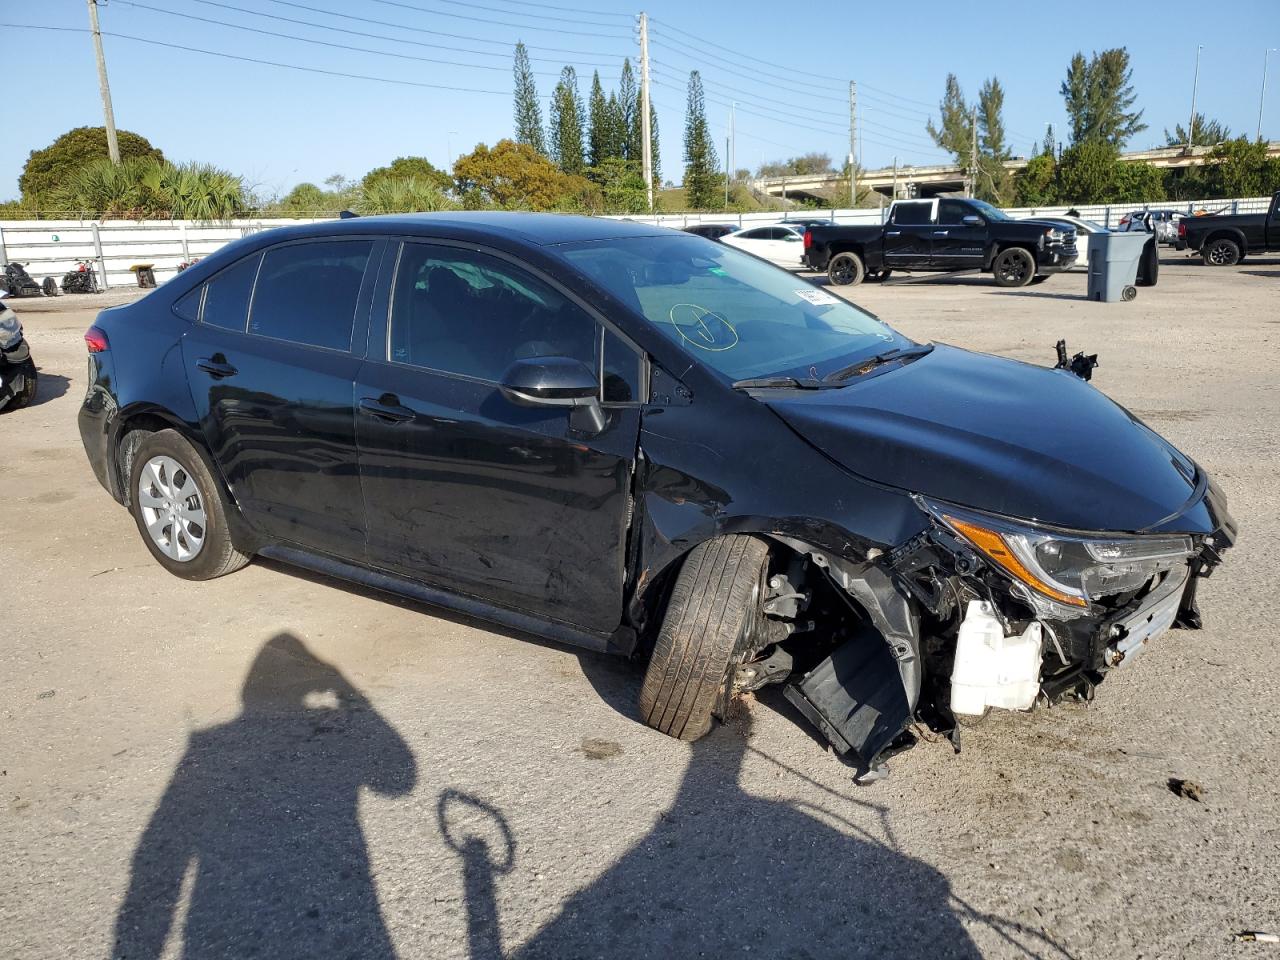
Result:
786,66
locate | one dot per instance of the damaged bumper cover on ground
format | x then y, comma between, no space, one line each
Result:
979,610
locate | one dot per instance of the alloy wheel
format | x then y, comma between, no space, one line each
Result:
1222,254
172,508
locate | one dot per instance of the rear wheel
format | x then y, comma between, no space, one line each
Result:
1014,267
1223,252
1149,265
846,270
28,392
50,287
713,608
179,509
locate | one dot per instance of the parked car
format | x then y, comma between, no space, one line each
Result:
712,231
643,442
1226,239
1163,223
943,235
1083,228
780,244
804,224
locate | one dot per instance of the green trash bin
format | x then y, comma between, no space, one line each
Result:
1113,265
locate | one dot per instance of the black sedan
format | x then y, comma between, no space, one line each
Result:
642,442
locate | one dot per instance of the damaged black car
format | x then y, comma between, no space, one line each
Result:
643,442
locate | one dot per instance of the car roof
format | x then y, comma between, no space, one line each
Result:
534,228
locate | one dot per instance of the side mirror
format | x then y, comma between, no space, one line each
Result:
972,220
555,382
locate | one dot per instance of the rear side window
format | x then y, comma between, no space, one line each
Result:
226,299
307,292
188,305
912,213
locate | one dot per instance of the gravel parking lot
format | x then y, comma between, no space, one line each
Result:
288,767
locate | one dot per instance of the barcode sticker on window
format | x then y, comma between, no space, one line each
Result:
817,297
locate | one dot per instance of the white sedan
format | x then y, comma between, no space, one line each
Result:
778,243
1083,229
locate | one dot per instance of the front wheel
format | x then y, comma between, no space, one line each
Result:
1221,253
27,393
179,510
50,287
1014,267
846,270
714,605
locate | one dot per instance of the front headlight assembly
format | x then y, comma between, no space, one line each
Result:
10,329
1068,568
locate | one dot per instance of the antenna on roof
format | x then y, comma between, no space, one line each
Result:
347,215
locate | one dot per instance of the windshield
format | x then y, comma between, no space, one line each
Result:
989,212
737,314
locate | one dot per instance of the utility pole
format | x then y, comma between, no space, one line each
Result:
895,178
733,137
853,143
113,148
1262,99
973,153
726,171
646,148
1195,85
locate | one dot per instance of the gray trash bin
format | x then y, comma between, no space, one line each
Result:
1113,265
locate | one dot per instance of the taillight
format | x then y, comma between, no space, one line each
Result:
1182,228
95,338
808,239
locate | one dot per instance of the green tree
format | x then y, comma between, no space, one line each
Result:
703,183
1238,168
804,165
528,109
1087,173
621,185
599,134
615,128
1206,133
629,105
1137,183
409,168
566,123
955,130
52,167
1034,183
402,195
1099,98
1049,145
994,182
308,200
145,187
655,151
514,176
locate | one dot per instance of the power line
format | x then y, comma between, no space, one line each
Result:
540,6
898,96
347,31
491,22
775,118
748,96
698,57
326,43
771,63
548,6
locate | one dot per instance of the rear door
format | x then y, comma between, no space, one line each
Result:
1273,224
271,366
908,236
467,490
956,245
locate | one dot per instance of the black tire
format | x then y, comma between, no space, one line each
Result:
1149,265
217,555
846,270
1039,278
1014,267
1222,252
713,607
29,387
49,287
884,275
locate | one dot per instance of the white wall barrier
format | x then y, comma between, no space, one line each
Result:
50,248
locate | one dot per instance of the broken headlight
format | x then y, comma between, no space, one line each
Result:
10,329
1067,567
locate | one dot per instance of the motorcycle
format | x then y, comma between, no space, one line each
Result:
188,263
17,369
18,283
83,279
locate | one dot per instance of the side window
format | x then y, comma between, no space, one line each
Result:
952,213
226,298
912,214
465,312
188,305
307,292
621,371
759,233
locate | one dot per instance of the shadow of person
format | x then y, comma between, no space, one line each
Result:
261,814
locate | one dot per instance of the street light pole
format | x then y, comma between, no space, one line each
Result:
1262,98
1195,85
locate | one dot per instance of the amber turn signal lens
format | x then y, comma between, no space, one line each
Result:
995,549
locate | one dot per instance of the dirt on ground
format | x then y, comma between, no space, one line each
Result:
277,765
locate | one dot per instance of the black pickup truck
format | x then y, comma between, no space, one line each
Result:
1225,239
942,234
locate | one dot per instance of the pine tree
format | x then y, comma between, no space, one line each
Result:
615,129
654,152
702,181
995,183
566,123
598,135
1049,146
1099,98
629,102
527,107
956,132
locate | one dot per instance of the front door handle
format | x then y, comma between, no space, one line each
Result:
941,233
893,233
387,407
216,366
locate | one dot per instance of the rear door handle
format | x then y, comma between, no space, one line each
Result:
893,233
216,368
387,407
941,233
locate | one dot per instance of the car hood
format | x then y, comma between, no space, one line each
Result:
1005,437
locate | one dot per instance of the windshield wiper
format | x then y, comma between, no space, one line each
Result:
862,366
780,383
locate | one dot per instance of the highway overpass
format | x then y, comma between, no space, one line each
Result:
932,180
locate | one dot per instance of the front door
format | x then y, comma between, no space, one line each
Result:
464,488
956,244
271,365
908,236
